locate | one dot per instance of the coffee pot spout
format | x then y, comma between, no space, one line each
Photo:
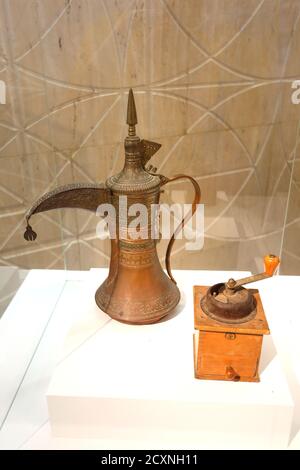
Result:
77,196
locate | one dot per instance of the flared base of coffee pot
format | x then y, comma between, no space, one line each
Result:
138,298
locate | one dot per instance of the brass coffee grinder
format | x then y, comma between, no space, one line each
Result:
137,290
230,323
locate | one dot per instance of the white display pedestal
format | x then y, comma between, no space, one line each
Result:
136,384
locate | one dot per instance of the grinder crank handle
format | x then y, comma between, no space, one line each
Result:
196,201
271,263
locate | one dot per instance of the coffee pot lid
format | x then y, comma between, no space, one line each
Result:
134,177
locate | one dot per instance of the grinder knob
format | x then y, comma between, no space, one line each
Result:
271,264
231,374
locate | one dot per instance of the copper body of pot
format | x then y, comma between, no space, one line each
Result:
137,290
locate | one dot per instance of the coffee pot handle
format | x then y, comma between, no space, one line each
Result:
187,217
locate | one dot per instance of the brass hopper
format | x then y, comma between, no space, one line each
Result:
137,290
230,302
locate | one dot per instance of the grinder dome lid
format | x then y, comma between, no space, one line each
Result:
230,302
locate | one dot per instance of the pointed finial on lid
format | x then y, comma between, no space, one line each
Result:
131,114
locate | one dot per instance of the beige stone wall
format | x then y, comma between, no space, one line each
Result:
212,81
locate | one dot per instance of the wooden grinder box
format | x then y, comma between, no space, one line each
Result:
224,351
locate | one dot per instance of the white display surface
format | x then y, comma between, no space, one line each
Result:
33,330
118,381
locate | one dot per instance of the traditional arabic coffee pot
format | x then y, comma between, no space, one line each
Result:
137,290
